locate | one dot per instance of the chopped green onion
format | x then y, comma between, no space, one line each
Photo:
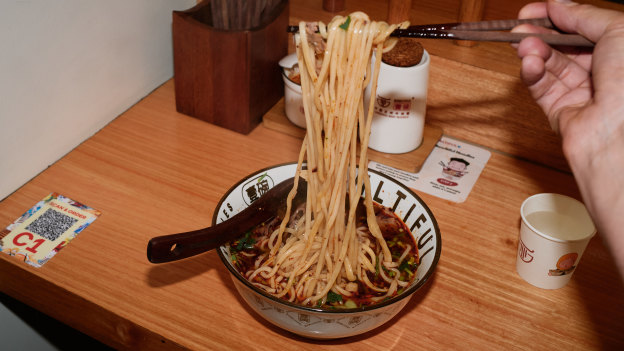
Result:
345,25
350,304
247,242
333,297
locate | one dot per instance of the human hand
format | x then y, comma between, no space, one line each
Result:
582,93
564,82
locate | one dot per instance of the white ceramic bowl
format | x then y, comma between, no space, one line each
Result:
293,101
329,324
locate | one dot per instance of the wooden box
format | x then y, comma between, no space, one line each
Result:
228,77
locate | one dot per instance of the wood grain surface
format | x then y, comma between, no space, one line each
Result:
470,11
398,11
154,171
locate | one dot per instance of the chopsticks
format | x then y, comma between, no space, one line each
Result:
486,31
241,14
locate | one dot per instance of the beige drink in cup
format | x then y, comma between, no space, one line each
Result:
554,233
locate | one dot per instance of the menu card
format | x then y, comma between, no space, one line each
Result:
450,171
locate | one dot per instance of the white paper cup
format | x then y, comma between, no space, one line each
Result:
554,232
400,107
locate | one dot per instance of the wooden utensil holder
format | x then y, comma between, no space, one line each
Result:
228,78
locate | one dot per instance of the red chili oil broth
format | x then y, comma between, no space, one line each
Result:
394,231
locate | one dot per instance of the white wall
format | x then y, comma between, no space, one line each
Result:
68,67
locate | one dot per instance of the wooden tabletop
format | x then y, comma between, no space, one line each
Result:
153,171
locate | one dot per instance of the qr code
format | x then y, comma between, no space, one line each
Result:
51,224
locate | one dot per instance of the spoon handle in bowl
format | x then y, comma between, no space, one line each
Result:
174,247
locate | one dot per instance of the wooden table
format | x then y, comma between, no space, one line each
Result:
153,171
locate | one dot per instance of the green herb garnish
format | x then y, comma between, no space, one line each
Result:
345,25
333,297
247,242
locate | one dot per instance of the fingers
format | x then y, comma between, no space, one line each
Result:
587,20
605,28
529,28
534,46
551,77
580,55
552,93
565,68
533,10
568,82
533,69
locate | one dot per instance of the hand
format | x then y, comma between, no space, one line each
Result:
582,93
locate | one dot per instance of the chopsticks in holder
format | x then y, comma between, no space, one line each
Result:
242,14
487,31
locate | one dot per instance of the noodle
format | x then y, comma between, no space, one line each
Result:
324,250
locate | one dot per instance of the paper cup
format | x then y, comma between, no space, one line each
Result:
400,106
554,232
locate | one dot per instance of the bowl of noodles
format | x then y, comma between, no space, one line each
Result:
348,256
291,295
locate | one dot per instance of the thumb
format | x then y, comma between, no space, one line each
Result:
586,20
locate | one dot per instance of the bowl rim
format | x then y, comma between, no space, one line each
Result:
406,293
284,75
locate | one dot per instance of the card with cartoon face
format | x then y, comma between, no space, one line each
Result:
450,171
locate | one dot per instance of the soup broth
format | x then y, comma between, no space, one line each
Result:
250,250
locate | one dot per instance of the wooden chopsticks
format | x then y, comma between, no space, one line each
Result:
241,14
487,31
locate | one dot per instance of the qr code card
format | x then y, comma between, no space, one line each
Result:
46,228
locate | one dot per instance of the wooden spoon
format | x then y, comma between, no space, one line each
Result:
173,247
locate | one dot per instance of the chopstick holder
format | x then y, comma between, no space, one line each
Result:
229,78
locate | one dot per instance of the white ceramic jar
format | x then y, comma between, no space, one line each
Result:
400,107
293,101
